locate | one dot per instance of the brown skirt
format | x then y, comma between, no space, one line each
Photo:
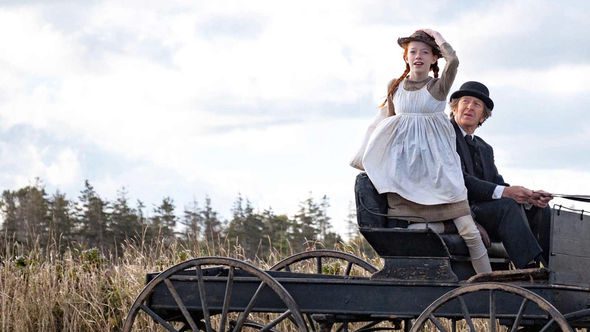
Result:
399,206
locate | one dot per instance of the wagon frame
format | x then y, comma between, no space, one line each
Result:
428,284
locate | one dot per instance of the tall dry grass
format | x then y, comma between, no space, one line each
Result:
43,289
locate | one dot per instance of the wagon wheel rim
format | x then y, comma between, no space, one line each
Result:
493,288
318,255
577,316
293,313
574,319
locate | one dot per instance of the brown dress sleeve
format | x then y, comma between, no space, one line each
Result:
439,87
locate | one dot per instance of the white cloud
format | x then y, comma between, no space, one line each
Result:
64,171
32,45
559,81
185,90
24,162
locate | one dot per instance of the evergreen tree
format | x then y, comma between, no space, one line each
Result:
253,232
164,219
352,231
92,218
276,229
323,221
11,226
25,214
328,237
236,229
193,221
62,223
246,228
212,225
332,239
304,226
140,215
124,220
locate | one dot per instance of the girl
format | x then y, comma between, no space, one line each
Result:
411,153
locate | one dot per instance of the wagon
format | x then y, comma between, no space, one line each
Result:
426,282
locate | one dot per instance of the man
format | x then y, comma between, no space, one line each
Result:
497,206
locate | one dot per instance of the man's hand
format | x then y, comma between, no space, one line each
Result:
520,194
540,198
523,195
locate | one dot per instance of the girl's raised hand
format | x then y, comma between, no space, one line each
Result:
438,38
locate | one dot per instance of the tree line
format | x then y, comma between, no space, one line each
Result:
30,215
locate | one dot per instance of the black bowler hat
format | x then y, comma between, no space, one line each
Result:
474,89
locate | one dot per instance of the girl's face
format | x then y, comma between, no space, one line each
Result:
420,57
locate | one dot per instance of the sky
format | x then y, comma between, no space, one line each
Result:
270,99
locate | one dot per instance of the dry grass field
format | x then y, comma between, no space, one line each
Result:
43,289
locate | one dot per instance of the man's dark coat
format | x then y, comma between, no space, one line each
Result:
504,219
478,189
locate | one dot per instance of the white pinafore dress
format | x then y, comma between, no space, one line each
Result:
413,153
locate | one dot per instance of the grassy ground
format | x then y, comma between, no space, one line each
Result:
42,289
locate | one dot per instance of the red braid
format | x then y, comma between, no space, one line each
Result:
397,82
394,86
434,68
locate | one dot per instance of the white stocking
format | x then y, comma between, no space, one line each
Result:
478,252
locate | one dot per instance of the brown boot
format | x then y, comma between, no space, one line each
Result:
485,238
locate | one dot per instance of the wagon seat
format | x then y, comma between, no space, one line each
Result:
415,254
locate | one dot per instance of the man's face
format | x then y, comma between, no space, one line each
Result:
469,113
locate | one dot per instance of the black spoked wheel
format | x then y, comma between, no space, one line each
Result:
513,305
331,262
214,294
325,262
